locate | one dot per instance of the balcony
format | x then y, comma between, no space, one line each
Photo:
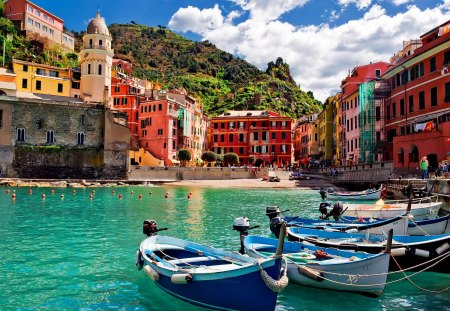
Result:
95,47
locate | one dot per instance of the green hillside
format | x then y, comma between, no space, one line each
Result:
220,80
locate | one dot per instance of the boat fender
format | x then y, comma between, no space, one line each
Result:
139,261
181,278
151,273
310,273
421,253
443,248
396,252
353,230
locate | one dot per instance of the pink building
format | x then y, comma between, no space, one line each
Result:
37,23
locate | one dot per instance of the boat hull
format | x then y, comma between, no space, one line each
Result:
376,195
385,211
365,275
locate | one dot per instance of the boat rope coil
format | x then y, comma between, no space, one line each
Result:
275,285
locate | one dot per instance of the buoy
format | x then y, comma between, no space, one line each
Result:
74,191
132,192
62,196
151,273
120,196
93,191
113,192
400,251
421,253
43,196
7,190
149,193
140,197
52,191
181,278
91,196
30,191
167,195
443,248
13,196
310,273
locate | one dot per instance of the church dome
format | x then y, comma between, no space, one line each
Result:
97,25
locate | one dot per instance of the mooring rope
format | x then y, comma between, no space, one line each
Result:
275,285
426,233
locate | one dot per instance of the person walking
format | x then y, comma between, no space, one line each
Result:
424,167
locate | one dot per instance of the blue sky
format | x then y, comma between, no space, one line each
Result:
321,40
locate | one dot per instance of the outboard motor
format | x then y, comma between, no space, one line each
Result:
336,211
323,193
242,225
275,225
323,209
272,211
150,228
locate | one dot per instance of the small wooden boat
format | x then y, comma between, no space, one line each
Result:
421,208
327,268
408,251
210,277
369,194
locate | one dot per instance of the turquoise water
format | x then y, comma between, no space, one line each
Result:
79,254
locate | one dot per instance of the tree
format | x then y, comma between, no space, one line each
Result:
184,155
208,157
230,158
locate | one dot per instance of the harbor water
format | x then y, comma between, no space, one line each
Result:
77,253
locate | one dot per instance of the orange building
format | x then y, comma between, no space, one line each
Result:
37,23
417,108
264,135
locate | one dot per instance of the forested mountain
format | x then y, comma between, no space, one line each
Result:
220,80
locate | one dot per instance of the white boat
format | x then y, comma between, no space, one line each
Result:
421,208
369,194
327,268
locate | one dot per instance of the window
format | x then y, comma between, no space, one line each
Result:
89,69
51,31
99,70
264,135
222,137
393,82
90,42
241,150
24,83
216,125
433,94
100,42
402,107
283,123
255,136
378,135
41,72
160,131
274,135
60,87
30,21
45,16
231,125
433,64
241,138
378,113
222,125
216,138
411,103
37,25
230,138
377,73
274,123
80,138
117,101
25,68
394,110
421,100
283,135
447,92
53,73
241,125
52,20
38,13
159,107
447,58
30,9
38,85
50,136
44,28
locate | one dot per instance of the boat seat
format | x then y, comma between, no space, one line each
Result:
191,260
208,269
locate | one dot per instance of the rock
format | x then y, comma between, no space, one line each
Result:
59,184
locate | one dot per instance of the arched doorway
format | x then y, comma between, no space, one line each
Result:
413,153
259,162
401,156
432,162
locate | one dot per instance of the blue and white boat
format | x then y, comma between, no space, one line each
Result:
210,277
366,195
327,268
418,252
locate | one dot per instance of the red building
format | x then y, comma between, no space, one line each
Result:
417,108
265,135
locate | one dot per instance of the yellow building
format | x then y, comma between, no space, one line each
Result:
41,79
337,129
325,120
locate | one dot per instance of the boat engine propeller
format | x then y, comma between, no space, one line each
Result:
323,193
336,211
242,225
274,211
150,228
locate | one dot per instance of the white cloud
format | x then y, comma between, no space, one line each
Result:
400,2
268,10
196,20
360,4
320,56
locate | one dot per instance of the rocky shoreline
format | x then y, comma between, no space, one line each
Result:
59,183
